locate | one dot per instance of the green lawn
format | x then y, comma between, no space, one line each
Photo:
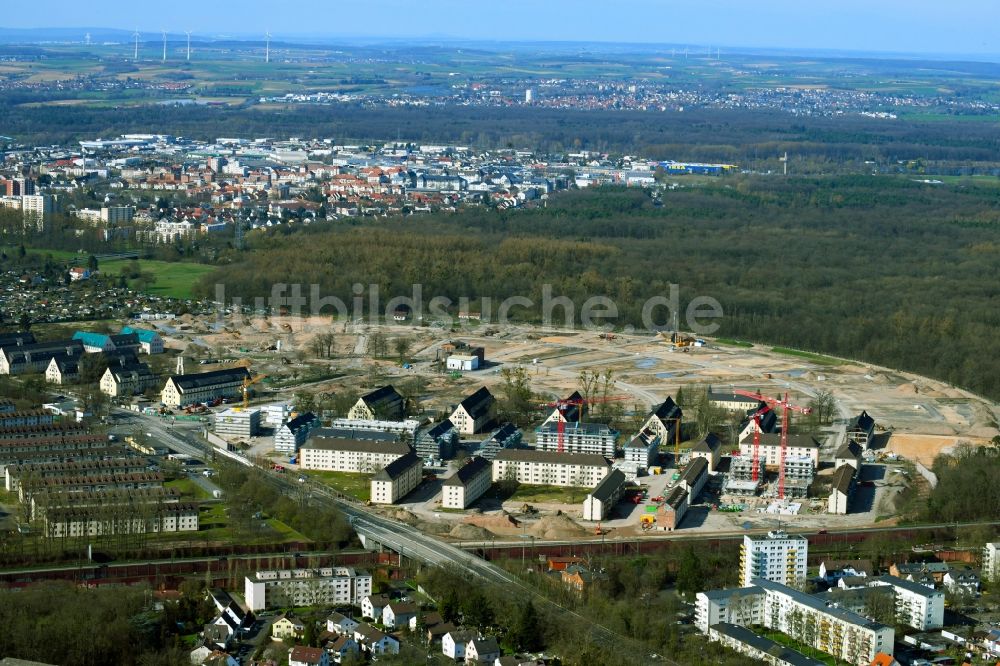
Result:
173,279
733,343
188,489
790,642
819,359
349,483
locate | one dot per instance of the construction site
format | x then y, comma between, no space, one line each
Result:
785,472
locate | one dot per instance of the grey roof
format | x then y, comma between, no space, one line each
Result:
842,478
667,409
479,403
441,429
785,655
357,433
485,645
203,379
319,440
908,585
468,471
710,444
863,422
817,604
17,338
797,441
578,427
608,486
397,467
850,449
696,468
675,497
17,354
382,396
531,455
733,592
300,421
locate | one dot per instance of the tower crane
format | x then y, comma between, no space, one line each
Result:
786,407
247,383
564,404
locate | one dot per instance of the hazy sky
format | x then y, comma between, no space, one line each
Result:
918,26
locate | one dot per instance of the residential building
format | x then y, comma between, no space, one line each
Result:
397,615
643,450
336,454
848,454
406,429
238,422
384,403
468,484
183,390
709,448
482,650
833,570
36,208
397,479
437,442
765,423
694,478
95,343
577,437
762,650
475,413
338,623
732,402
373,605
453,643
777,557
861,430
671,511
664,421
741,476
568,411
375,642
962,578
286,626
550,468
602,499
507,436
301,655
341,647
841,489
991,562
20,359
918,606
63,369
306,587
292,434
127,376
799,473
150,341
741,605
770,448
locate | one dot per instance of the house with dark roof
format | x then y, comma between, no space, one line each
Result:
467,484
709,448
17,338
841,489
183,390
475,413
848,454
437,442
397,479
293,433
861,430
126,376
602,499
19,359
550,468
383,403
482,650
693,478
300,655
63,368
748,426
150,341
672,510
664,421
570,412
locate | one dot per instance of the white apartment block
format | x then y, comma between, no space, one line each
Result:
917,605
776,557
991,562
395,481
599,501
591,438
336,454
408,427
835,631
762,650
770,448
306,587
550,468
742,605
467,484
82,521
643,450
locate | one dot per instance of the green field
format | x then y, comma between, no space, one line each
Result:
819,359
733,343
172,279
355,485
188,489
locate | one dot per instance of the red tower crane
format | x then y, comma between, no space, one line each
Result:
564,404
785,408
756,439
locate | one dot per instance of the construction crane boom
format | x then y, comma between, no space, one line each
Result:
786,407
247,383
564,404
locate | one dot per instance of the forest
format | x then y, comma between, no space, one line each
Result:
754,140
882,270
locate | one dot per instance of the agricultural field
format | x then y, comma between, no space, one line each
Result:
169,279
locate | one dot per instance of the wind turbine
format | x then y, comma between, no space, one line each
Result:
267,46
188,33
135,55
164,45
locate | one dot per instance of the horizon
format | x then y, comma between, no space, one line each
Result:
889,27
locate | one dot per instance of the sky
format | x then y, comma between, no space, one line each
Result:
967,27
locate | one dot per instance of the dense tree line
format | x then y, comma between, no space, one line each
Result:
966,489
753,139
883,270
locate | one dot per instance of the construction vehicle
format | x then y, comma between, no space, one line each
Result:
564,404
599,531
607,336
786,407
247,383
286,327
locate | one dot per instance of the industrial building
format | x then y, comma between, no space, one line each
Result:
238,422
468,484
776,557
306,587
